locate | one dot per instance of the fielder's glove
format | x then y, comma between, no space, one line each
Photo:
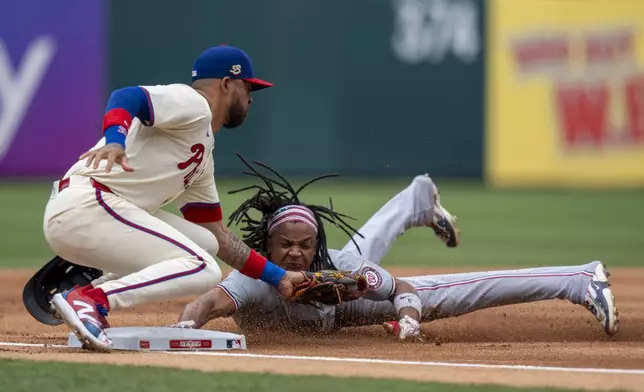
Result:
406,329
329,287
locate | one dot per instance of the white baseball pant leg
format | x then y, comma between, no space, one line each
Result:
154,260
409,208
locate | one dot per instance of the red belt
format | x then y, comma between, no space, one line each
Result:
64,183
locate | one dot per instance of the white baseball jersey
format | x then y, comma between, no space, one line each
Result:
172,154
117,231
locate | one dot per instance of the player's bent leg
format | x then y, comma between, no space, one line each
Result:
409,208
67,221
417,205
167,280
197,234
155,260
456,294
113,235
441,221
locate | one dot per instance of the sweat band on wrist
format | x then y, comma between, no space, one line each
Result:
272,274
258,267
117,116
116,124
408,300
115,134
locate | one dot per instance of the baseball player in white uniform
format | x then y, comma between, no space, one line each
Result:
108,216
400,304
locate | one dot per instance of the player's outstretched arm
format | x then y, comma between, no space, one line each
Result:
238,255
409,309
211,305
406,290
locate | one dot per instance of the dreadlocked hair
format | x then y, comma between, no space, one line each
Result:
276,193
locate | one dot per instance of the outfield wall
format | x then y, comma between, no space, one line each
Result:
377,87
519,93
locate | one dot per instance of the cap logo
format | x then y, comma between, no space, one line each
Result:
236,69
194,73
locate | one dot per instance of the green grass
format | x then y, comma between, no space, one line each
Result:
499,228
19,376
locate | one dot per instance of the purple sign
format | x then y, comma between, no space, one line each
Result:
51,84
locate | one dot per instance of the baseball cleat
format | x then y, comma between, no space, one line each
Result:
442,222
85,318
600,300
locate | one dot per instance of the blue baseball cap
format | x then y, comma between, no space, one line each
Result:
221,61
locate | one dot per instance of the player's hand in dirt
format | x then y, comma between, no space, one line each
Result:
189,324
113,152
406,329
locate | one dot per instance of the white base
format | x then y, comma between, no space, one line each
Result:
168,339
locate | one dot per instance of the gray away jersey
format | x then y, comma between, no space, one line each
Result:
259,305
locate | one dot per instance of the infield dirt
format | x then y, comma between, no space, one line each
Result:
547,333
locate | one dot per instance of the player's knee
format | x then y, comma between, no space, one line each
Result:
211,268
211,246
64,245
213,275
422,188
423,181
201,236
350,255
205,239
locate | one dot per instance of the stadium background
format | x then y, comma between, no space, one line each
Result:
527,114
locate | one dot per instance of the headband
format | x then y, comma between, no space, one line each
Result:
292,213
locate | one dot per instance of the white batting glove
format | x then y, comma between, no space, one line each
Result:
406,328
